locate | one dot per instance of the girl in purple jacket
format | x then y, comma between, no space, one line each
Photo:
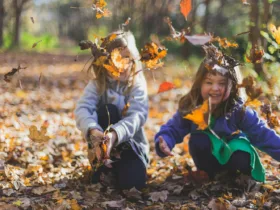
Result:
234,130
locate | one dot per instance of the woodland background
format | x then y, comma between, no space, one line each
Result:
42,38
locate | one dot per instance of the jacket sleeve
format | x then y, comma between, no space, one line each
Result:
259,134
137,112
173,132
85,112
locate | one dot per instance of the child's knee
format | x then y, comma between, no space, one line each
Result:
199,141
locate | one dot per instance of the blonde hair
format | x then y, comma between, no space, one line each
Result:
123,39
193,98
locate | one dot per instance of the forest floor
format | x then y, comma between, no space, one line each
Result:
51,175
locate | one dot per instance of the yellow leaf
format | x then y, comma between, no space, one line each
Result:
253,103
17,203
100,61
197,115
21,94
100,3
275,32
75,205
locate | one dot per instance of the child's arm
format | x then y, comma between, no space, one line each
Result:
173,132
259,134
85,112
136,114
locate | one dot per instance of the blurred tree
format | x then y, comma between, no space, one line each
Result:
18,6
2,15
72,21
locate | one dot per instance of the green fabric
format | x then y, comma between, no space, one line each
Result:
223,150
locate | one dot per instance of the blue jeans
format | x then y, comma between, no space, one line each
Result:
129,171
200,147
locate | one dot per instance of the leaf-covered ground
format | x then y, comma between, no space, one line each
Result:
52,175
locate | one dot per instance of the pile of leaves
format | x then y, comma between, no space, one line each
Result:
53,174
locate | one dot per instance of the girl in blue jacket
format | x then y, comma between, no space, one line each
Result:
103,104
234,130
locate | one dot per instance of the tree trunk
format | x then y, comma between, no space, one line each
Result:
206,16
18,9
2,15
265,19
254,35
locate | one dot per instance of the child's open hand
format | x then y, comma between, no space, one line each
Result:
164,147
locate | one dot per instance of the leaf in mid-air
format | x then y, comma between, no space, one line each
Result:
255,56
165,86
197,116
185,7
224,43
275,32
151,55
198,39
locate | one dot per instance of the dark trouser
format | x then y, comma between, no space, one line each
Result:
129,171
201,151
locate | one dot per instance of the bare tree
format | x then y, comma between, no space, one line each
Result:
2,15
18,6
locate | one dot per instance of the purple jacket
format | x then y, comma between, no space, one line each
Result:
249,123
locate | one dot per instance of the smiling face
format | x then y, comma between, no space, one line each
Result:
215,86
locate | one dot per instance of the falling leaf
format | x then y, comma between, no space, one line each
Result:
165,86
8,76
112,69
185,7
255,56
35,44
124,111
32,19
197,116
176,34
99,7
151,55
159,196
252,90
224,43
198,39
275,32
38,136
253,103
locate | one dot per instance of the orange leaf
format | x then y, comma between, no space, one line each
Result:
124,111
185,7
255,56
165,86
198,115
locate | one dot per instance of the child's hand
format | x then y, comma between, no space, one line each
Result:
164,147
112,137
95,135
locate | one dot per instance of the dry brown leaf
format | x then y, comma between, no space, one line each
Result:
158,196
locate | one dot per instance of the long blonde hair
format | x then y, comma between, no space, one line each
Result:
193,98
122,39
